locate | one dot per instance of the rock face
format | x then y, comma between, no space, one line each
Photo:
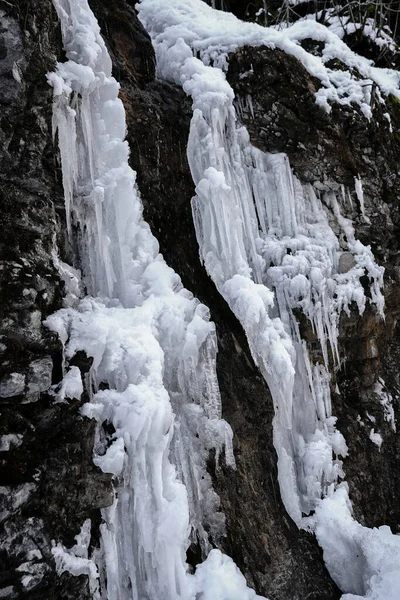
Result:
50,485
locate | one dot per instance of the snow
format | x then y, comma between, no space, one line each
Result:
10,440
389,120
376,438
344,25
113,460
72,281
71,386
214,34
360,194
386,401
218,578
153,346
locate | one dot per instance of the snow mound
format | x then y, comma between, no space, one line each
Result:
365,563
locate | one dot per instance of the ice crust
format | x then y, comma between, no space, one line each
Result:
153,346
267,243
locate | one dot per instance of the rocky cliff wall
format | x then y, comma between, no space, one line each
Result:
49,484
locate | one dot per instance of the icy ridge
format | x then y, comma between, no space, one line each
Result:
266,242
153,376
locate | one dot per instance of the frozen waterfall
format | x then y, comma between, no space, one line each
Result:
153,377
266,240
267,244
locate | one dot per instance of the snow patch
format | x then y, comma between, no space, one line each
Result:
376,438
10,440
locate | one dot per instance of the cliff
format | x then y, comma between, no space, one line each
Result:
49,483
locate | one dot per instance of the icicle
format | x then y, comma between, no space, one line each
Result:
360,197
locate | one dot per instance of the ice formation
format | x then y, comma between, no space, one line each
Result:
76,560
10,440
386,401
267,243
71,386
153,375
376,438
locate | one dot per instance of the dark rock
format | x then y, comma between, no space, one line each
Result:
49,484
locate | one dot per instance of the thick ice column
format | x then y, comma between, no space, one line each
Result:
153,377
